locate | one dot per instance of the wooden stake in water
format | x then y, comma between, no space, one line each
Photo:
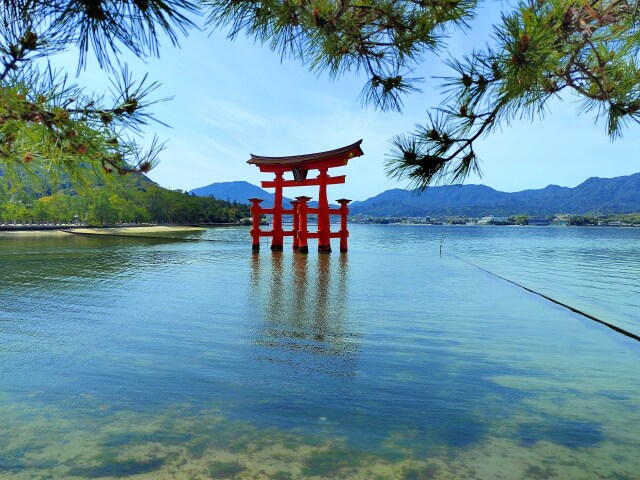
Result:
441,240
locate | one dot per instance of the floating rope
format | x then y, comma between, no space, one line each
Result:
557,302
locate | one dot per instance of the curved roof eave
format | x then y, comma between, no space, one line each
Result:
353,149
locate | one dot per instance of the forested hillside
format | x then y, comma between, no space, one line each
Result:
129,198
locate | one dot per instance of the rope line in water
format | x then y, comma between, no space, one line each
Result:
557,302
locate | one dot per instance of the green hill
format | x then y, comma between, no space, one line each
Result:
128,198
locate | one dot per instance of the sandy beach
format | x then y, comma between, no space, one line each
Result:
32,233
137,230
63,231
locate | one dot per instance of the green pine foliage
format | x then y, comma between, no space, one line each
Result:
584,47
50,124
383,39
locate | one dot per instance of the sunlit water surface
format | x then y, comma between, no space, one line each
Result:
191,360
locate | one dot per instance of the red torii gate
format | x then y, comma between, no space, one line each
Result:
300,165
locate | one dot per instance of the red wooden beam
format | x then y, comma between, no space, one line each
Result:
288,211
310,165
309,182
269,233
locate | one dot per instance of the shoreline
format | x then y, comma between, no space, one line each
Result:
65,230
136,229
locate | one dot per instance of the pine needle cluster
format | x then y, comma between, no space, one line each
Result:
586,47
48,123
383,39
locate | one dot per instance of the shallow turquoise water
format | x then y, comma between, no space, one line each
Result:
168,359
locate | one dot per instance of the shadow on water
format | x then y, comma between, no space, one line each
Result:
562,431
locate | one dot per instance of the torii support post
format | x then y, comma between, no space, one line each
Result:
324,224
303,232
296,223
344,233
277,239
255,227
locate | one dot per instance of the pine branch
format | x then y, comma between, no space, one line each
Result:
106,26
46,120
589,48
382,39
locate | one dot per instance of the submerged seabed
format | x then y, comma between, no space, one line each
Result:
153,359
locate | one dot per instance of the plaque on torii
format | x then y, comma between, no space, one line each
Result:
299,166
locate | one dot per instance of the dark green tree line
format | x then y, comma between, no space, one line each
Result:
129,199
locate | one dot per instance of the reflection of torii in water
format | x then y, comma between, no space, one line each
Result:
301,313
300,165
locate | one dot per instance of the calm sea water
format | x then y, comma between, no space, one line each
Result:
149,358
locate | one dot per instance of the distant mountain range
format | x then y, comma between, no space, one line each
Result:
239,192
595,195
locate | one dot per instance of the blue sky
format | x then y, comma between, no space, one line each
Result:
236,98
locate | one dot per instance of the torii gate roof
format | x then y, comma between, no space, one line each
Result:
330,158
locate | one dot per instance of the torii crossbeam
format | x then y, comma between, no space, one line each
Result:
299,166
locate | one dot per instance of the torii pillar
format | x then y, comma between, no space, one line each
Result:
300,165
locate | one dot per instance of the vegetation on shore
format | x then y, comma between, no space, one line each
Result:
624,219
612,219
130,198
